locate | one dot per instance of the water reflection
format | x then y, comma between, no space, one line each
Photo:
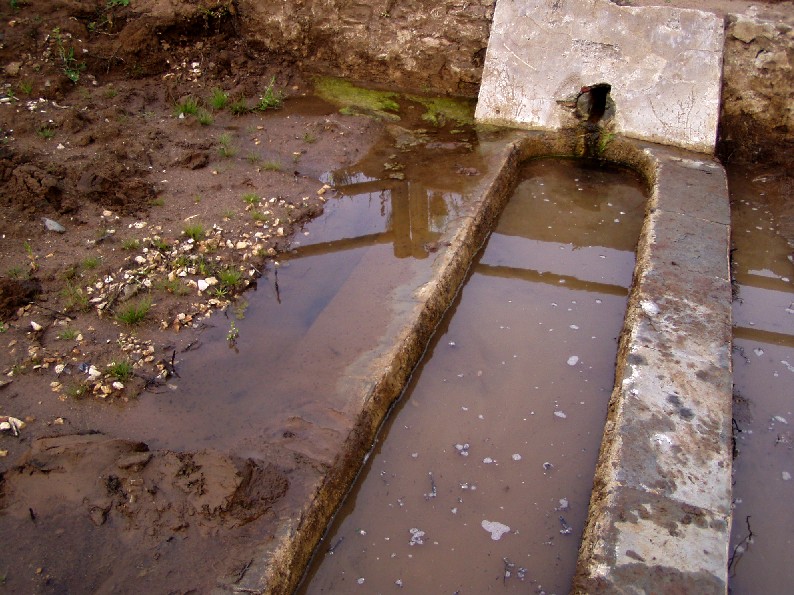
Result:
409,216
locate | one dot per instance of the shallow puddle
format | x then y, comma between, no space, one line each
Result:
317,310
482,476
763,360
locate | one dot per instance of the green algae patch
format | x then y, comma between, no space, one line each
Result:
356,100
441,110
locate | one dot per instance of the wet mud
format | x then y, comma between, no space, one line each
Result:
763,364
481,478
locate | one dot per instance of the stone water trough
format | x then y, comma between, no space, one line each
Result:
639,87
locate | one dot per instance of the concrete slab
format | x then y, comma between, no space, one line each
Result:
663,64
660,513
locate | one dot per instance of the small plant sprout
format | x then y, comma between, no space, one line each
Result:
271,98
120,370
160,244
46,132
233,334
194,231
219,99
226,149
259,216
309,137
91,262
229,278
26,87
68,334
74,298
130,244
16,272
3,327
34,265
76,390
272,166
134,314
188,107
204,117
71,67
239,107
251,199
117,3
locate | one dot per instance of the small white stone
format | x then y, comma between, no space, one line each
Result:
118,385
496,529
35,325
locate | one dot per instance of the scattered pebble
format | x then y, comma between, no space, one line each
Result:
496,529
417,537
573,360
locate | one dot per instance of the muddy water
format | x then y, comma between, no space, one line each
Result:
763,523
316,310
482,477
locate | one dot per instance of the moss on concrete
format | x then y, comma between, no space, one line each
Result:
440,110
353,100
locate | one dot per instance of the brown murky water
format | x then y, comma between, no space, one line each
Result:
317,310
763,525
482,477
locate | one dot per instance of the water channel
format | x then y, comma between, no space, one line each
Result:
763,312
481,478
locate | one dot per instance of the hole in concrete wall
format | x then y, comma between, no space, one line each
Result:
594,103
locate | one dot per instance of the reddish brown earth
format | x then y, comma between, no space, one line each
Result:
107,157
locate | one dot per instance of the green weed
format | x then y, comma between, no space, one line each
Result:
74,298
76,390
229,278
194,231
272,166
91,262
239,107
68,334
251,199
219,99
130,244
133,314
188,107
46,132
71,67
204,117
120,370
16,273
271,98
226,149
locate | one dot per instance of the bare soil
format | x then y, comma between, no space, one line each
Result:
115,200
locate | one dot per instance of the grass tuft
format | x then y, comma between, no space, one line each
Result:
134,314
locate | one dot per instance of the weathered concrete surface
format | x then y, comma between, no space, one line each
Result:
663,64
659,518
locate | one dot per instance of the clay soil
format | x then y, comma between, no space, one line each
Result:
128,218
